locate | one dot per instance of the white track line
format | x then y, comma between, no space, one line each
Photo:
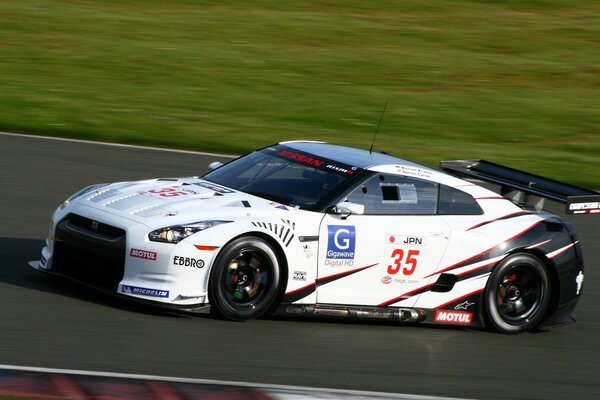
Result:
127,146
287,392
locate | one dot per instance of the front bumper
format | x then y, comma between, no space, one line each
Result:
119,259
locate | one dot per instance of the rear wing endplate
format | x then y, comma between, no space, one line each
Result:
515,183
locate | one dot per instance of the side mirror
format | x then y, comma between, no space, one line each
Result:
214,165
347,208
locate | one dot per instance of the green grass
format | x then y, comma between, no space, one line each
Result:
515,82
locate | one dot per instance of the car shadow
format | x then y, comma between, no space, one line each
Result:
15,253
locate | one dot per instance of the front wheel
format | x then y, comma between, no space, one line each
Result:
518,294
245,278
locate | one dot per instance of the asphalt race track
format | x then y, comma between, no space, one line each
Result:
46,322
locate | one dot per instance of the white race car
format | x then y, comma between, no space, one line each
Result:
310,228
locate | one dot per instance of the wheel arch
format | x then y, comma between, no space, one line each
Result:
281,258
554,281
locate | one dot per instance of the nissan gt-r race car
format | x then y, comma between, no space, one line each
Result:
310,228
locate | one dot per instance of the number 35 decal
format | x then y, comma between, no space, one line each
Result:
410,262
167,192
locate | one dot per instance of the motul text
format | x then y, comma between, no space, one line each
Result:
147,255
454,317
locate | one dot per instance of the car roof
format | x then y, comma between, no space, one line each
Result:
350,155
386,163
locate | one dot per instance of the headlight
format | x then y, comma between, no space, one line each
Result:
176,233
82,192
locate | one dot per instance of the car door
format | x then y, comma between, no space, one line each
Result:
384,256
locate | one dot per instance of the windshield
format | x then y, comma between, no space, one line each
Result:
285,175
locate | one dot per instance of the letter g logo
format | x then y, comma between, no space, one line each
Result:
342,243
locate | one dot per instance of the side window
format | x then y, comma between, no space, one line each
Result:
393,194
456,202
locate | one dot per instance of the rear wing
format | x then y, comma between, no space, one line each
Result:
517,185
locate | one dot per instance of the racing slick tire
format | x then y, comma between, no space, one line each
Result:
245,279
518,294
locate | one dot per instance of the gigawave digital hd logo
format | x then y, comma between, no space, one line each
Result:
341,241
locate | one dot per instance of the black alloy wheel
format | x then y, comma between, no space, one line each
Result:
518,294
245,279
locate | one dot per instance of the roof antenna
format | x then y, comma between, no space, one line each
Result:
377,130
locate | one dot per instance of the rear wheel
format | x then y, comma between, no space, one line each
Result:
245,279
518,294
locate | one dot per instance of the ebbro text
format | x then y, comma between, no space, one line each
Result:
188,262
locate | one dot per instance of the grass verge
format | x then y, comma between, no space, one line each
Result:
515,82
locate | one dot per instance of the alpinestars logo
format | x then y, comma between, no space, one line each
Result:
464,305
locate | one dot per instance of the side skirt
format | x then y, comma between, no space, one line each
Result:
391,314
403,315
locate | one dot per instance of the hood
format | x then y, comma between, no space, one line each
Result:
150,201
